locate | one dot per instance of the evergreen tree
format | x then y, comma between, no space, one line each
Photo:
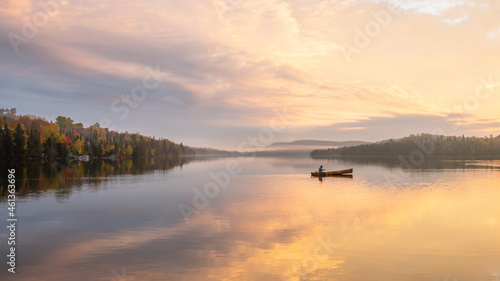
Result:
62,150
20,141
2,154
7,141
49,147
34,145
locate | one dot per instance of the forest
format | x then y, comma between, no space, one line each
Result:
426,143
33,137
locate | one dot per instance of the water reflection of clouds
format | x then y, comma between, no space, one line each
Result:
263,226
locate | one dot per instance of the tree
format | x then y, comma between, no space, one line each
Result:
34,145
49,147
7,141
129,150
48,130
62,150
65,123
77,147
20,141
8,112
2,155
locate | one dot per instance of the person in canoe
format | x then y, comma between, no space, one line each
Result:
320,170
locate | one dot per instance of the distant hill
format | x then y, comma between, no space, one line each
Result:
205,151
302,147
318,143
420,144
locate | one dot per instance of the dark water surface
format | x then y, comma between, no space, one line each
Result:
255,219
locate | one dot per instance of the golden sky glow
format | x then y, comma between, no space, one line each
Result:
230,63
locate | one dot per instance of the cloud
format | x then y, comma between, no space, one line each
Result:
232,67
14,8
401,125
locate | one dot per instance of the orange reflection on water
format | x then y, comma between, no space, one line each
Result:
289,227
354,230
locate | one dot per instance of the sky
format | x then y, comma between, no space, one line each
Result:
220,73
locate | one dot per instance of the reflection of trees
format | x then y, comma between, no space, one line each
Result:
62,177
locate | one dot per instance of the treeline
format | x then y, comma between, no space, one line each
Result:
426,143
29,136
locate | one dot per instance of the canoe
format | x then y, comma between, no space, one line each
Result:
344,176
333,173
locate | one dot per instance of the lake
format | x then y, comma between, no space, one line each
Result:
255,219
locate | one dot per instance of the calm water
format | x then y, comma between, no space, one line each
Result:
271,221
